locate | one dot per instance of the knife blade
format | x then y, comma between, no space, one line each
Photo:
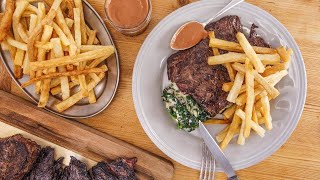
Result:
216,151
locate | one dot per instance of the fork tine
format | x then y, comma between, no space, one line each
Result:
202,161
210,164
214,168
206,162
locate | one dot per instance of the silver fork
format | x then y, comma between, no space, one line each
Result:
208,164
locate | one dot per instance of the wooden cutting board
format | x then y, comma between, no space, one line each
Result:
81,139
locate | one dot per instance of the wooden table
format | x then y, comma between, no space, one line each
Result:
299,158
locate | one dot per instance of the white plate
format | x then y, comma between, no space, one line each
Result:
150,77
104,91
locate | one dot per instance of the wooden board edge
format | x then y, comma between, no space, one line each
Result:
13,116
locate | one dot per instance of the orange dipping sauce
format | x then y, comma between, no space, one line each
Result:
127,13
189,35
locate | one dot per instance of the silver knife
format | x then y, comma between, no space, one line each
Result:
217,152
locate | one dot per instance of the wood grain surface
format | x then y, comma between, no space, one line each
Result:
299,158
79,138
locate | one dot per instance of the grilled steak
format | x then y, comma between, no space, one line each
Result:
189,68
226,28
45,168
192,74
76,170
122,169
102,172
58,169
256,40
17,156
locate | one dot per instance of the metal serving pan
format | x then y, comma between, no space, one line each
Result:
104,91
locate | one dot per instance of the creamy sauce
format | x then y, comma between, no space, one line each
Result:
127,13
189,35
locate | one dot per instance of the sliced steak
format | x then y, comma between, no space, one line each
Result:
123,168
101,171
17,156
76,170
58,169
43,168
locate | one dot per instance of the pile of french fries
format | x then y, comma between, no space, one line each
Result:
50,42
254,71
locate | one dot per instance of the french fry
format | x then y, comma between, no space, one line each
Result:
69,73
26,65
41,55
64,105
22,33
55,82
254,115
44,45
242,98
6,20
32,23
86,48
229,112
32,8
234,92
45,89
20,8
240,57
17,72
217,121
250,97
92,97
64,79
216,53
107,51
236,121
65,41
94,77
18,60
37,30
266,111
222,134
247,48
97,61
78,38
273,69
77,27
69,22
92,36
268,87
258,129
5,46
236,47
57,90
20,45
78,4
241,139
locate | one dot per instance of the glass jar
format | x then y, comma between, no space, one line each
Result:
119,15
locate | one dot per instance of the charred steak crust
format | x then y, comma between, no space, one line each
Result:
17,156
226,28
76,170
122,169
44,166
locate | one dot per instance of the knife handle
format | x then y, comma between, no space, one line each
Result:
235,177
